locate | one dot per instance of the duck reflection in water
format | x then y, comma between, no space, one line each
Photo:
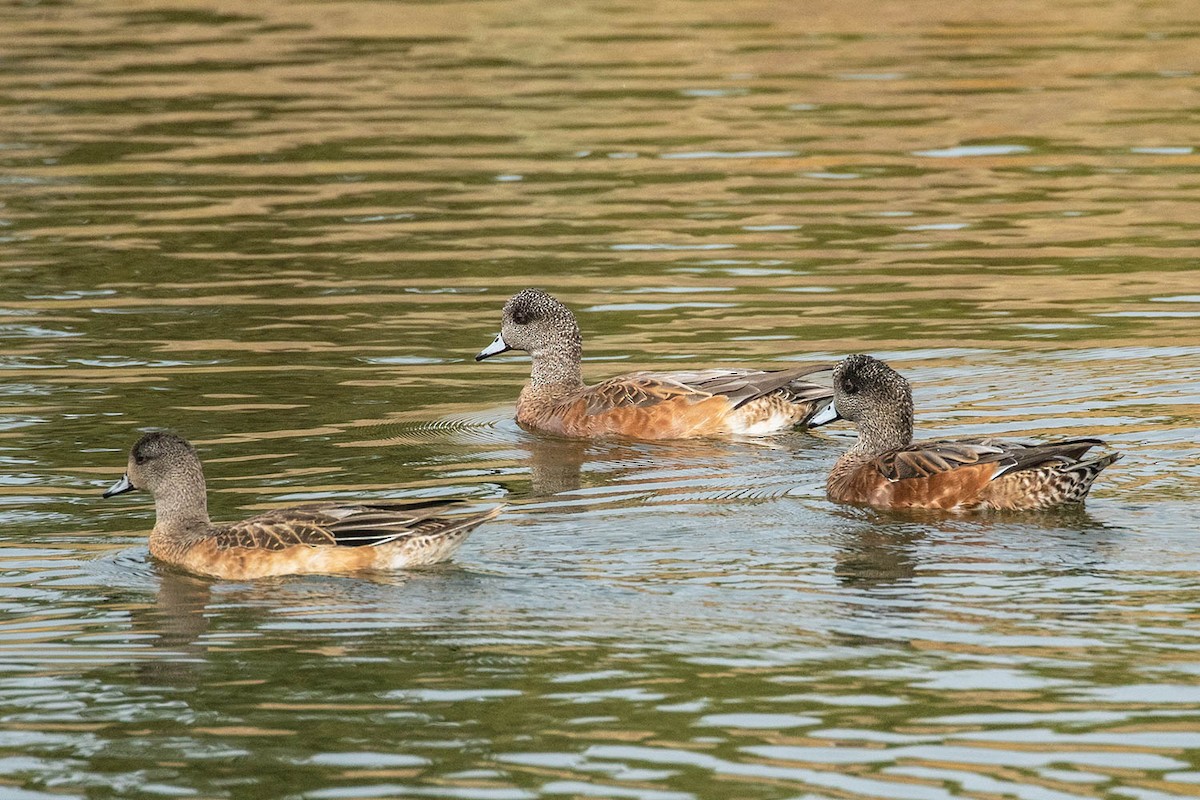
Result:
586,474
886,549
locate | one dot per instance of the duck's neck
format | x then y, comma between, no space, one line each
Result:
876,436
181,503
556,376
556,367
880,434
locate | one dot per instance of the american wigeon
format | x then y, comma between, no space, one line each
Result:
643,405
886,468
319,537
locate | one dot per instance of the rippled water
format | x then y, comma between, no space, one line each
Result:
284,229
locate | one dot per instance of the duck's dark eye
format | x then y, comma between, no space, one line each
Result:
849,386
522,316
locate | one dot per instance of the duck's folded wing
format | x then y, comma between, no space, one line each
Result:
744,385
931,458
739,386
349,525
639,390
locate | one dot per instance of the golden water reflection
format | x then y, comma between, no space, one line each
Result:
285,229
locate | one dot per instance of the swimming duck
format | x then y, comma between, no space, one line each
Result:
642,405
318,537
887,469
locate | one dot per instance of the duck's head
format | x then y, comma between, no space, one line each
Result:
158,458
535,322
869,393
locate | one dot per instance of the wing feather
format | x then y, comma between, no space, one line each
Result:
740,386
639,390
927,459
352,525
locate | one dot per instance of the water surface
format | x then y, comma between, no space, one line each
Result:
285,229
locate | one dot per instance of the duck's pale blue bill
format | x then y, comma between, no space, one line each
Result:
120,487
824,416
495,348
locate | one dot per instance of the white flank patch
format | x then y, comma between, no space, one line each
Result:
780,420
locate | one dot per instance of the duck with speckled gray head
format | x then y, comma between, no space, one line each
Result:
643,405
887,469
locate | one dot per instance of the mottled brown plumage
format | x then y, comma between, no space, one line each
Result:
886,468
643,405
319,537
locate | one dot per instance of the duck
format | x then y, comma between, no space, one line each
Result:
885,468
313,538
642,405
